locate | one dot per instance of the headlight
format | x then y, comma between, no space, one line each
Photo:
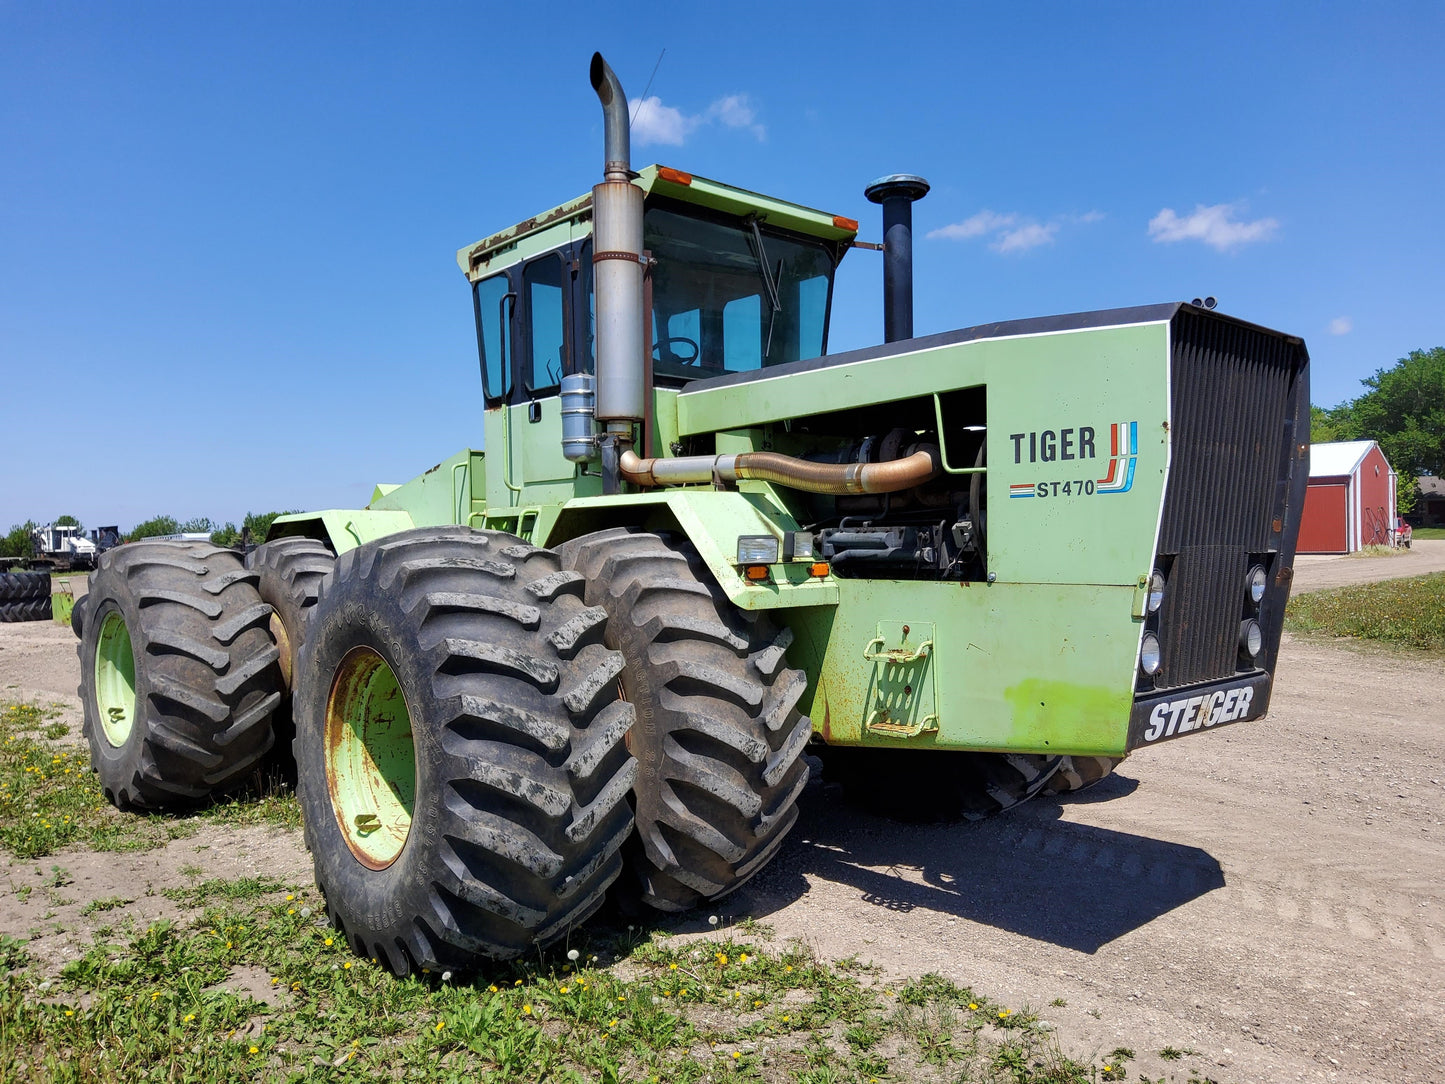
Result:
757,549
1156,592
1257,582
1251,638
1149,654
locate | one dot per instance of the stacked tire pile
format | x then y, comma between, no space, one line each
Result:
24,596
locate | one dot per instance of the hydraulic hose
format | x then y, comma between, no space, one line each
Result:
833,478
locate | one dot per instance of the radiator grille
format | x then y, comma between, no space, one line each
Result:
1234,390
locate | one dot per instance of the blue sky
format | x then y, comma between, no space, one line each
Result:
228,232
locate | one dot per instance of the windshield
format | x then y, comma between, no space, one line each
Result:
729,296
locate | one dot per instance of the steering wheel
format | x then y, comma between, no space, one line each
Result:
666,347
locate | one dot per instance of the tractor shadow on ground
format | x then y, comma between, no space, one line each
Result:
1026,871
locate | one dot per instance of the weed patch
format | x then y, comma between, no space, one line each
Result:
1405,612
50,799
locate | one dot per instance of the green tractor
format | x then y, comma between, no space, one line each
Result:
962,569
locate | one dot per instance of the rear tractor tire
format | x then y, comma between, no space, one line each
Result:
290,572
32,609
463,775
179,676
719,738
925,785
1080,773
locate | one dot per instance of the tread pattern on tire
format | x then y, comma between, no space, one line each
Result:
924,785
30,609
290,572
1080,773
24,586
719,737
207,675
519,735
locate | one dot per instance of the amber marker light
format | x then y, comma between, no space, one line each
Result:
757,572
677,176
849,224
819,569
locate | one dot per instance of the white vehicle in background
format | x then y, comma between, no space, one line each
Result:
60,549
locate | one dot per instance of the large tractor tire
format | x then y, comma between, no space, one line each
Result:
924,785
30,609
178,673
1080,773
460,748
719,738
290,571
77,615
24,586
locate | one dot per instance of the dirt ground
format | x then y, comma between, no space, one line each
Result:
1270,896
1314,572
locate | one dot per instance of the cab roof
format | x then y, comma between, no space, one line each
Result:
572,220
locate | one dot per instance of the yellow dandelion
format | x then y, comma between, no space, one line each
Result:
743,958
621,997
722,959
289,898
1003,1013
613,1022
492,988
330,941
71,1012
786,1019
346,966
973,1004
441,1024
517,983
672,967
736,1055
255,1050
292,911
566,989
788,968
526,1010
190,1016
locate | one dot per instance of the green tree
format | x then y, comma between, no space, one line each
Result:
19,542
1405,411
258,523
156,525
226,536
197,524
1328,425
68,521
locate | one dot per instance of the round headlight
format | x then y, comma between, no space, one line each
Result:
1251,638
1156,592
1149,654
1257,580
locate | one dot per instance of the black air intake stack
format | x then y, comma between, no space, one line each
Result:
897,193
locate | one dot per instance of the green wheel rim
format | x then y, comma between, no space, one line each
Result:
115,679
370,758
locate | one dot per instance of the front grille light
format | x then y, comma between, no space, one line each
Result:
757,549
1149,657
1251,639
1257,582
1156,592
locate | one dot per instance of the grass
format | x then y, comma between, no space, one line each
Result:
1403,613
1379,551
250,983
50,799
1429,532
163,1003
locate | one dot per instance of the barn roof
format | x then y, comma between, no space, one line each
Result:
1338,458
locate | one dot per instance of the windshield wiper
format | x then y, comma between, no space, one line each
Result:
770,282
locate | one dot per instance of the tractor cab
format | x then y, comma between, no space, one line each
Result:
737,281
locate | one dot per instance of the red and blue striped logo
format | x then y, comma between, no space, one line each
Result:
1123,454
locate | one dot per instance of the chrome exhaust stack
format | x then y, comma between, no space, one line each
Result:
617,266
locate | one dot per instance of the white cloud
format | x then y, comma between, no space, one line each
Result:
735,111
974,226
1029,235
654,122
1216,226
1341,325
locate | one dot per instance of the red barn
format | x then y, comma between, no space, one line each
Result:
1350,502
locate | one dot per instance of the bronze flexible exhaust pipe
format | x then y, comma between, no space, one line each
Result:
830,478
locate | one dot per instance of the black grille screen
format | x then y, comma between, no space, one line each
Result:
1233,389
